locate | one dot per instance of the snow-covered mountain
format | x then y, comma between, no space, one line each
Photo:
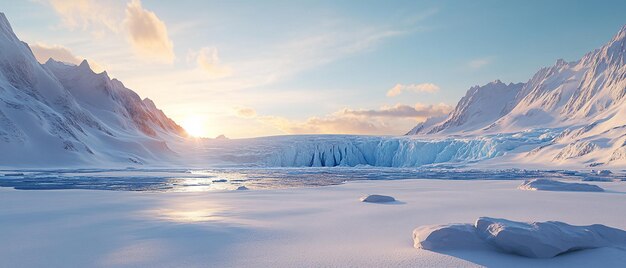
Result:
583,101
480,106
57,114
118,106
427,125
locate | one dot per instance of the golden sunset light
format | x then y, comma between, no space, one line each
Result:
324,133
195,126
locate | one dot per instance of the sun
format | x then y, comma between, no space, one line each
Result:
195,126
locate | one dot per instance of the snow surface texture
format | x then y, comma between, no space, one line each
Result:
553,185
375,198
298,227
534,240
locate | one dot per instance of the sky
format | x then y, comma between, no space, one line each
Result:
258,68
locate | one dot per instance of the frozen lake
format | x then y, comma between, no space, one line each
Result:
296,227
224,179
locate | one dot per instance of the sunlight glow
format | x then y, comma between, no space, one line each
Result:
189,215
195,126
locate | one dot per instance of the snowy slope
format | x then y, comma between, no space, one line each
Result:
582,101
117,106
424,127
478,108
82,118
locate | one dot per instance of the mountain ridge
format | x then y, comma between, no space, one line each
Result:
57,113
583,101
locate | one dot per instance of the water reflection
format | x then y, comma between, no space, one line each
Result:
189,209
190,215
199,209
204,184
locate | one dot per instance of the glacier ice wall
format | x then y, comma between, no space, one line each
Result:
347,150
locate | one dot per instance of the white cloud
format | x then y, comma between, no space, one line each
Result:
478,63
419,110
314,49
147,33
44,52
86,14
424,87
423,15
245,112
208,60
323,125
387,120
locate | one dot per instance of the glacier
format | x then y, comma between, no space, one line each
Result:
353,150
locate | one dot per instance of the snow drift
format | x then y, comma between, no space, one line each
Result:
533,240
376,198
552,185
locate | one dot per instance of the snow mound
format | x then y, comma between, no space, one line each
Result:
221,137
545,239
600,179
375,198
454,236
552,185
604,172
533,240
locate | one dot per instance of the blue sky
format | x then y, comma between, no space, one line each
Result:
252,68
